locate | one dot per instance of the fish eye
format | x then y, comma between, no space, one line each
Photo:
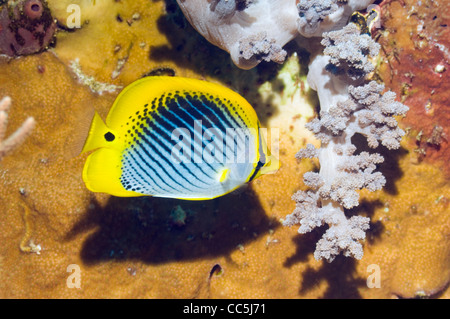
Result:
109,137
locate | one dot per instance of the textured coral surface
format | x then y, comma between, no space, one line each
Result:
234,246
416,41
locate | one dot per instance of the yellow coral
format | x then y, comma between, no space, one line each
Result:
414,249
424,256
124,32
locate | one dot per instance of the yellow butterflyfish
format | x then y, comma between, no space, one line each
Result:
177,138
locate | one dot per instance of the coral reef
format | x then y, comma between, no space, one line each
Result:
348,107
241,27
17,138
232,247
26,27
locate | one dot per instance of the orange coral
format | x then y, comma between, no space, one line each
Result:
409,238
425,271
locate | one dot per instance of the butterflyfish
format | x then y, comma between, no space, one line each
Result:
366,22
176,137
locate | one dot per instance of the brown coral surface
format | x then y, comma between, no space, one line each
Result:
233,246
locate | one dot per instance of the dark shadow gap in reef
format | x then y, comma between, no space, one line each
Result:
159,230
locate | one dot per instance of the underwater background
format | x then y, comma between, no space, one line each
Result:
233,246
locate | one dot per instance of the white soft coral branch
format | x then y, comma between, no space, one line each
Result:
17,138
318,16
348,107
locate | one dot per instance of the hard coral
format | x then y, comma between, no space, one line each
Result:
414,62
424,256
26,27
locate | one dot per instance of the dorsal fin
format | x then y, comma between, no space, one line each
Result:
96,136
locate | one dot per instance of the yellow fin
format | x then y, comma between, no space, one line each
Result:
96,136
272,165
102,172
